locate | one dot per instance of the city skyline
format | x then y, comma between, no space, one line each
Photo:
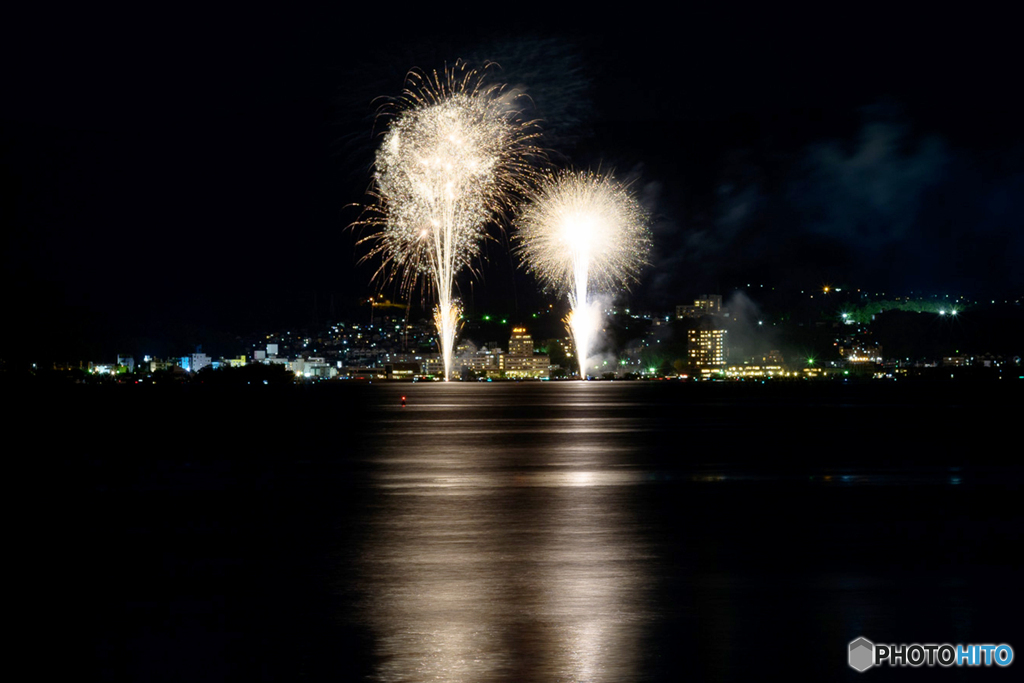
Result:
830,332
152,190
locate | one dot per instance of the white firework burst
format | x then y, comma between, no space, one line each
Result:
454,158
581,233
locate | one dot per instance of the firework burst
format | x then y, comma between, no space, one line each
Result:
581,233
454,158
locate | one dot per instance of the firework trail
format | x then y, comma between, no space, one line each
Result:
581,233
455,156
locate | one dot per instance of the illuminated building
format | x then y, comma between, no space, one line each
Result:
861,352
708,304
521,343
432,365
520,362
707,348
403,370
199,361
757,371
483,362
525,367
157,365
312,368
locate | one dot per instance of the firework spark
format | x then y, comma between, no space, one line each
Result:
454,158
583,232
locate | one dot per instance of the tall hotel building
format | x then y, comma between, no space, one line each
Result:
707,348
520,361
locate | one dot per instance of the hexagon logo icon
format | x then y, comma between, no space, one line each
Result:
862,654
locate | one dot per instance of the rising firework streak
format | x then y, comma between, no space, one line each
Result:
455,157
583,233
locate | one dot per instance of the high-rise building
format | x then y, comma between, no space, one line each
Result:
521,343
707,348
520,361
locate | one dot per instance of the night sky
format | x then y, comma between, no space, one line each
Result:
167,176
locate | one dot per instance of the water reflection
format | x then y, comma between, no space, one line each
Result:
486,561
625,532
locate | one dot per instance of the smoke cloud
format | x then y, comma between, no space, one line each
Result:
869,196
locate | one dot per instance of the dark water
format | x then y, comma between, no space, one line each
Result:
527,532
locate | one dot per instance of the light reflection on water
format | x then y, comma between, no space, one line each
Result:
515,570
529,532
512,537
